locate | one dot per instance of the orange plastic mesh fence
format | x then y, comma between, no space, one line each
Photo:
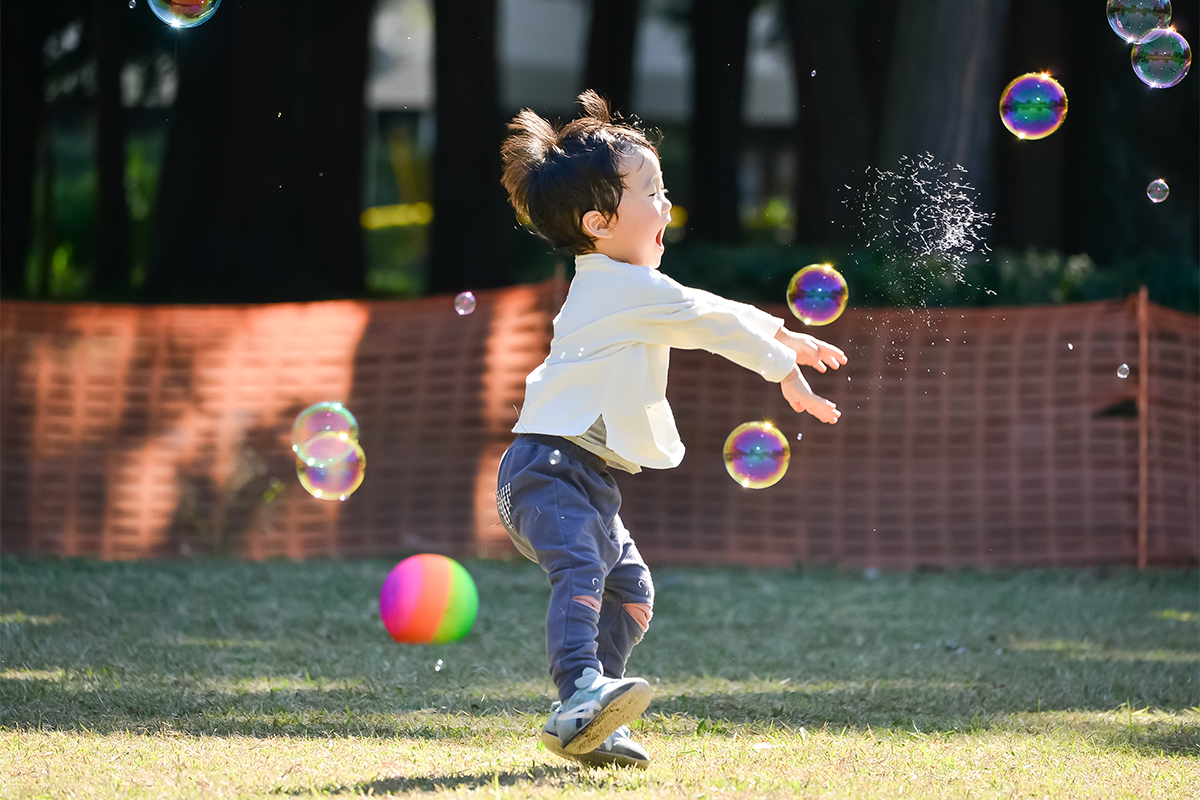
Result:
974,437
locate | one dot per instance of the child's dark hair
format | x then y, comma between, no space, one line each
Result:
555,175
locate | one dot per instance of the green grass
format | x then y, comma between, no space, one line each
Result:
220,679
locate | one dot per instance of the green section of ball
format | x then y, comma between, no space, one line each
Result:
462,606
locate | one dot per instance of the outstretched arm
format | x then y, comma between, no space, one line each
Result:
811,351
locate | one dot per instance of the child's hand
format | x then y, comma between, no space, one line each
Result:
811,351
801,398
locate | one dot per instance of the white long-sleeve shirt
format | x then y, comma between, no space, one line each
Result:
610,352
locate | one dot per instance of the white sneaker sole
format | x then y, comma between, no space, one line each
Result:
596,758
621,711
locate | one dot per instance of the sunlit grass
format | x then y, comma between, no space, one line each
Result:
218,679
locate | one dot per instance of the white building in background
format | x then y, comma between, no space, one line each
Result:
541,47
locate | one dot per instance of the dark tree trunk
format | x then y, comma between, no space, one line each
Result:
838,68
611,38
719,31
944,83
261,186
468,199
23,28
111,276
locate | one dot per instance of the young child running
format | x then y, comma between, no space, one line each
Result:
593,188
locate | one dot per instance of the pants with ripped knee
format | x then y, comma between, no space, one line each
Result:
559,504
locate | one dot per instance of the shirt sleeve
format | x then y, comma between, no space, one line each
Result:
693,319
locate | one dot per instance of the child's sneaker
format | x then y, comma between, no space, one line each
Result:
617,749
599,706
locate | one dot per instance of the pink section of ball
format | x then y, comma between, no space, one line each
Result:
399,595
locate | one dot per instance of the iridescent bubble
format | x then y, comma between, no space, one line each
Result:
184,13
133,3
555,457
1133,19
1161,58
464,303
766,364
1158,190
817,294
325,417
1123,371
1033,106
331,466
756,454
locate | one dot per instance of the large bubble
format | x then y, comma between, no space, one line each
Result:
1161,58
1033,106
184,13
756,454
1158,190
1133,19
331,466
817,294
324,417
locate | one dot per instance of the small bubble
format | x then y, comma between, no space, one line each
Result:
581,352
814,74
1070,346
766,364
799,436
1123,371
133,3
464,303
438,666
555,457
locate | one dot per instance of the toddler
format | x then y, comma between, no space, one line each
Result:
593,188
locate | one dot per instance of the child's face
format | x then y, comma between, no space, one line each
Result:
636,234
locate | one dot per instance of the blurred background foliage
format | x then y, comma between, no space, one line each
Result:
238,161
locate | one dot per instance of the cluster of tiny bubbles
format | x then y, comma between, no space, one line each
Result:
555,457
331,466
756,454
817,294
1161,58
323,417
1133,19
1158,190
1123,371
921,222
766,364
184,13
464,303
1033,106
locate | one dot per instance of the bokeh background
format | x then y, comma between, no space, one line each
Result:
206,230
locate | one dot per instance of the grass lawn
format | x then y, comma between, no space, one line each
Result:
223,679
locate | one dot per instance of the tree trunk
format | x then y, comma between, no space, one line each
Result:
838,69
23,28
111,275
466,163
719,31
261,187
611,38
944,84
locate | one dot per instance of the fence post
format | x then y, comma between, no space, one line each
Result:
1143,409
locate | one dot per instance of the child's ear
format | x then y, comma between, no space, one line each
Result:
597,226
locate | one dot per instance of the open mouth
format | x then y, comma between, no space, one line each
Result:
658,239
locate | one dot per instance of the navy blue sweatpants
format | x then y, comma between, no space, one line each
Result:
559,504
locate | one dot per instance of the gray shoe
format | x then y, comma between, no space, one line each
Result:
599,706
617,749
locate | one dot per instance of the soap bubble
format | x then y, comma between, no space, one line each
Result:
1158,190
133,3
1033,106
756,454
464,303
1123,371
331,466
1161,58
184,13
555,457
1133,19
766,364
438,666
817,294
325,417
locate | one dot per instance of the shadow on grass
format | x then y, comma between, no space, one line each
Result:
456,715
438,783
